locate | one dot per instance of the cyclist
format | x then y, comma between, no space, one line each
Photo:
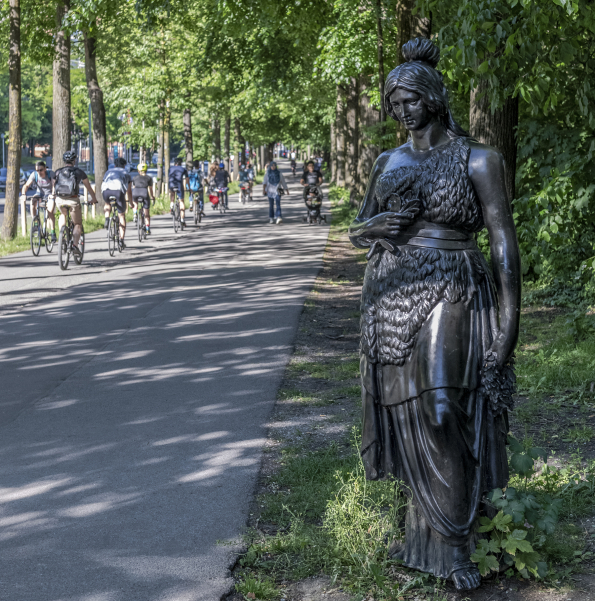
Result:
43,178
222,179
195,179
311,177
66,190
118,183
143,193
244,177
178,181
293,163
251,176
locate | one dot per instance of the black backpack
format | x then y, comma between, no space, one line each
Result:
66,184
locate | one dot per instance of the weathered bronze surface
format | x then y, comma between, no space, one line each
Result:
439,326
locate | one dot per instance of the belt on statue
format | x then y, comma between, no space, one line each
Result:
425,235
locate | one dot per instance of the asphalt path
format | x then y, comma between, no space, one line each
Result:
135,397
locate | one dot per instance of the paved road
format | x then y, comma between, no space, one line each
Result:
135,398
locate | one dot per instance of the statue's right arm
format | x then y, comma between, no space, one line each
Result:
369,206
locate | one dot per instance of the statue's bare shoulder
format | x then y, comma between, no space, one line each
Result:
485,161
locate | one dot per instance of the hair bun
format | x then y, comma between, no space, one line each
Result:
421,49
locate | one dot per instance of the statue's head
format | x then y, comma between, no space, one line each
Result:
418,77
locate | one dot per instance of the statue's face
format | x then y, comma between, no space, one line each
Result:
410,109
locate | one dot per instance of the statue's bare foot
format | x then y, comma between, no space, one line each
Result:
466,578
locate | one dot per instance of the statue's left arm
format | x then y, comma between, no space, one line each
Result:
488,174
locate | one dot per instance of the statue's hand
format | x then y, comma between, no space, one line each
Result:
503,348
386,225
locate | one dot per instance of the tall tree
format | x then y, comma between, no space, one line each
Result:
187,120
97,110
11,206
497,128
227,136
380,46
61,125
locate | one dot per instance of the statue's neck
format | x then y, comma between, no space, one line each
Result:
429,137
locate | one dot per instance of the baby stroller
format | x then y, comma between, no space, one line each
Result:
313,200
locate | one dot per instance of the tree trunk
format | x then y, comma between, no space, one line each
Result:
216,140
380,48
240,148
160,153
61,82
409,26
352,141
270,152
262,158
333,152
341,129
97,113
11,202
188,138
226,142
496,129
166,148
367,153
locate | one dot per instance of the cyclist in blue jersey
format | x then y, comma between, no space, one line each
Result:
178,182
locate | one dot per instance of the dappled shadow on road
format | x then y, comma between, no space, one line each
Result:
133,414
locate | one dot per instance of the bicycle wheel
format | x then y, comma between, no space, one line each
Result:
196,212
78,259
49,243
112,235
63,254
140,224
35,236
176,217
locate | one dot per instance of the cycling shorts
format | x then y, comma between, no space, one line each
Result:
120,199
178,191
142,194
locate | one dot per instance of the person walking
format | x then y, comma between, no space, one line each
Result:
272,185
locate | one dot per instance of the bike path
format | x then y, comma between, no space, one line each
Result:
136,393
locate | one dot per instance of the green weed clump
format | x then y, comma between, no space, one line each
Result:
526,534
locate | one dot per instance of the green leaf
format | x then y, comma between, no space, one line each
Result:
483,68
522,464
515,445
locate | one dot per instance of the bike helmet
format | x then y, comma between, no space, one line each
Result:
120,162
221,165
142,167
69,156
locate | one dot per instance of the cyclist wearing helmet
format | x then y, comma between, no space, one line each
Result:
118,183
178,181
66,189
222,179
143,193
43,179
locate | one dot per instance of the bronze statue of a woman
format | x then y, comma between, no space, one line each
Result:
436,319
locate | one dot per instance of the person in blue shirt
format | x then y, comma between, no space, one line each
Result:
178,182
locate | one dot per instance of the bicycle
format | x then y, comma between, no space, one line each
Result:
293,166
39,230
197,205
176,216
66,243
221,194
113,229
140,221
244,192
